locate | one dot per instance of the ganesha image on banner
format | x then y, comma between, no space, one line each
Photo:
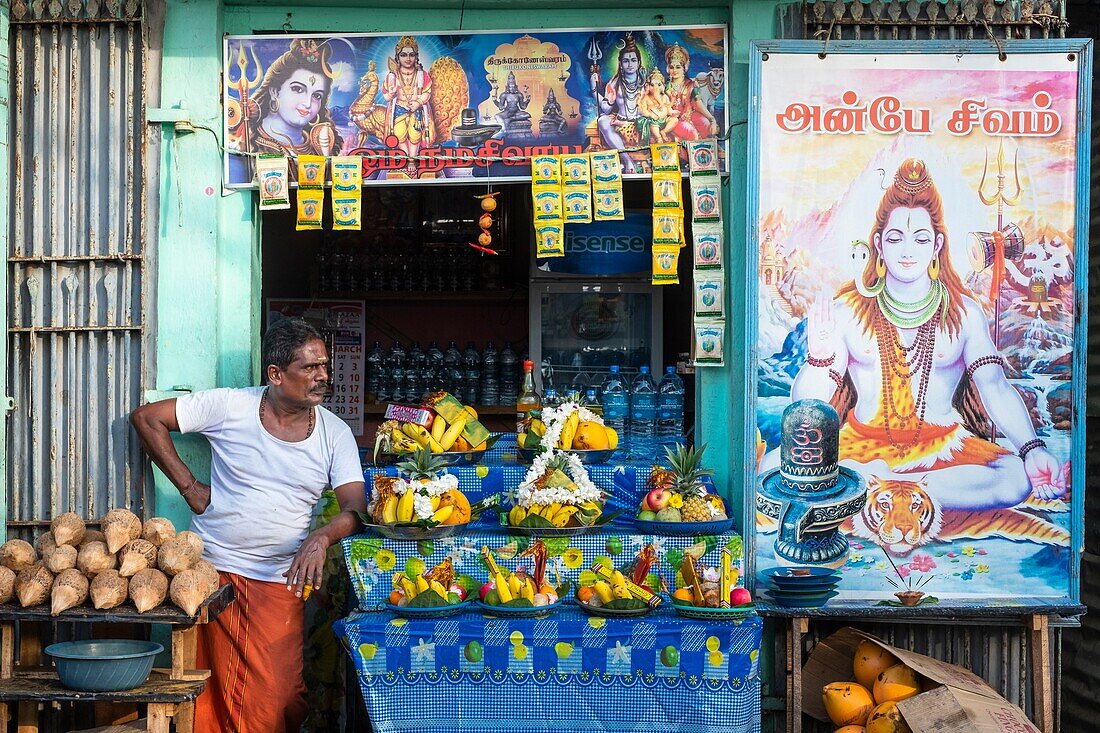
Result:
903,351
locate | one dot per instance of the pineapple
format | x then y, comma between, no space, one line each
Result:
422,467
686,479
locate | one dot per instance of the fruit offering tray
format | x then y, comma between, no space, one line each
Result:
570,671
372,561
623,483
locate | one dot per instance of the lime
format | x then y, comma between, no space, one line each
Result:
564,649
413,567
425,547
614,545
367,651
492,597
670,656
473,652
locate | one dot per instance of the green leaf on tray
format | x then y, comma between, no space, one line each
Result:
518,603
624,604
468,583
428,599
536,522
562,589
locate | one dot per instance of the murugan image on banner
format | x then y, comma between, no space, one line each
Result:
427,107
916,272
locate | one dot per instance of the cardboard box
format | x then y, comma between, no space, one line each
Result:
964,703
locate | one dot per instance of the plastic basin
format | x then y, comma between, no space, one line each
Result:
104,665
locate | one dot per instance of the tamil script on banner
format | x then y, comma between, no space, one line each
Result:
458,106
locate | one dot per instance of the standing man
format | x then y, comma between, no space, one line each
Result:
274,450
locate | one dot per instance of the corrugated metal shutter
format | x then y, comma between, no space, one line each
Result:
76,260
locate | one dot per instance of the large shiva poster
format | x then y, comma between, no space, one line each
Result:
918,234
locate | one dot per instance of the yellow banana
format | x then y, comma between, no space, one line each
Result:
389,510
528,589
439,426
443,514
405,507
551,510
516,515
421,583
409,587
612,438
451,435
603,590
534,510
502,588
617,578
438,588
620,591
421,435
514,586
435,502
565,442
563,515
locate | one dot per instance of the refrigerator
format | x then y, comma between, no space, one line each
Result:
595,307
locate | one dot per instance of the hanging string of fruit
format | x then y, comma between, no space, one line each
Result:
488,206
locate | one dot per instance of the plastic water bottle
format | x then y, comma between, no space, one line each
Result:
643,405
433,369
670,405
550,399
395,372
471,367
452,363
414,368
376,373
490,376
592,401
615,398
509,375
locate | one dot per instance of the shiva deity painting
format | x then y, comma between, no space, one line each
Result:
455,106
916,228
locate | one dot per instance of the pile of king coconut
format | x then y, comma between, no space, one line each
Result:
70,563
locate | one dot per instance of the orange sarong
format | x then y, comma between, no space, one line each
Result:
253,650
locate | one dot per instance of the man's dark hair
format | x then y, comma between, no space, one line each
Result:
284,338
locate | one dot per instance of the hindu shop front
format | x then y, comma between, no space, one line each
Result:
548,242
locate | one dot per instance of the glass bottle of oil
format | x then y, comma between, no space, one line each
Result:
528,398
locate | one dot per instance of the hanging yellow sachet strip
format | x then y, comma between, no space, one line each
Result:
347,191
607,186
546,199
311,191
577,188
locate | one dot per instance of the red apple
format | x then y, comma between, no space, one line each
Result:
658,499
485,589
740,597
459,590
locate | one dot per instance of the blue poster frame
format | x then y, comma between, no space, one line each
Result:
1083,48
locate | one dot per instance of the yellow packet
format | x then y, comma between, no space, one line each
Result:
549,240
347,172
609,203
547,203
667,192
666,264
576,170
668,226
578,205
311,171
311,205
666,157
546,170
345,211
606,167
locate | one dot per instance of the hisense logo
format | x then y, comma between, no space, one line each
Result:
604,244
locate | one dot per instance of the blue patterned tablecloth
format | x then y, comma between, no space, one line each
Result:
568,671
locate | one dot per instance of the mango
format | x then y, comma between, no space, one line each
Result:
847,703
869,662
896,683
886,718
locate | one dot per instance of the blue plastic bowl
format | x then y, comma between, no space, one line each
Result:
104,665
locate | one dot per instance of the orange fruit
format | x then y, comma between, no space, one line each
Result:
886,718
460,445
395,596
870,661
585,592
590,436
847,703
896,683
455,498
546,589
683,595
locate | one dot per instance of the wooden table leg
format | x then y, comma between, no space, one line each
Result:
7,666
30,655
185,640
158,717
797,628
1042,683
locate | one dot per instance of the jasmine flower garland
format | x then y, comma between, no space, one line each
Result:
529,493
422,500
554,418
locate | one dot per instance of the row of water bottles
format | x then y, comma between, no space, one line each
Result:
475,377
643,408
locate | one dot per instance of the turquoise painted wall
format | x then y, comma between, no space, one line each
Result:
208,293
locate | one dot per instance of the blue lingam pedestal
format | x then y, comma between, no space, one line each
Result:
810,495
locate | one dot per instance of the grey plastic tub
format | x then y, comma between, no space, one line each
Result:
104,665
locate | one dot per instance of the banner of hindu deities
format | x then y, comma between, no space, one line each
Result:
915,225
459,106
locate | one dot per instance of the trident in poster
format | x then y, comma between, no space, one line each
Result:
1005,242
594,56
243,85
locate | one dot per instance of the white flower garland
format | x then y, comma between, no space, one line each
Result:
554,418
530,494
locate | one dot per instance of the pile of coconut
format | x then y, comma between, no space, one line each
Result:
126,560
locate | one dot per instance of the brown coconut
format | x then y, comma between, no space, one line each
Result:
61,559
7,584
148,589
209,572
158,530
119,527
93,535
136,556
70,589
44,544
93,558
68,528
180,553
109,589
32,586
17,555
189,589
